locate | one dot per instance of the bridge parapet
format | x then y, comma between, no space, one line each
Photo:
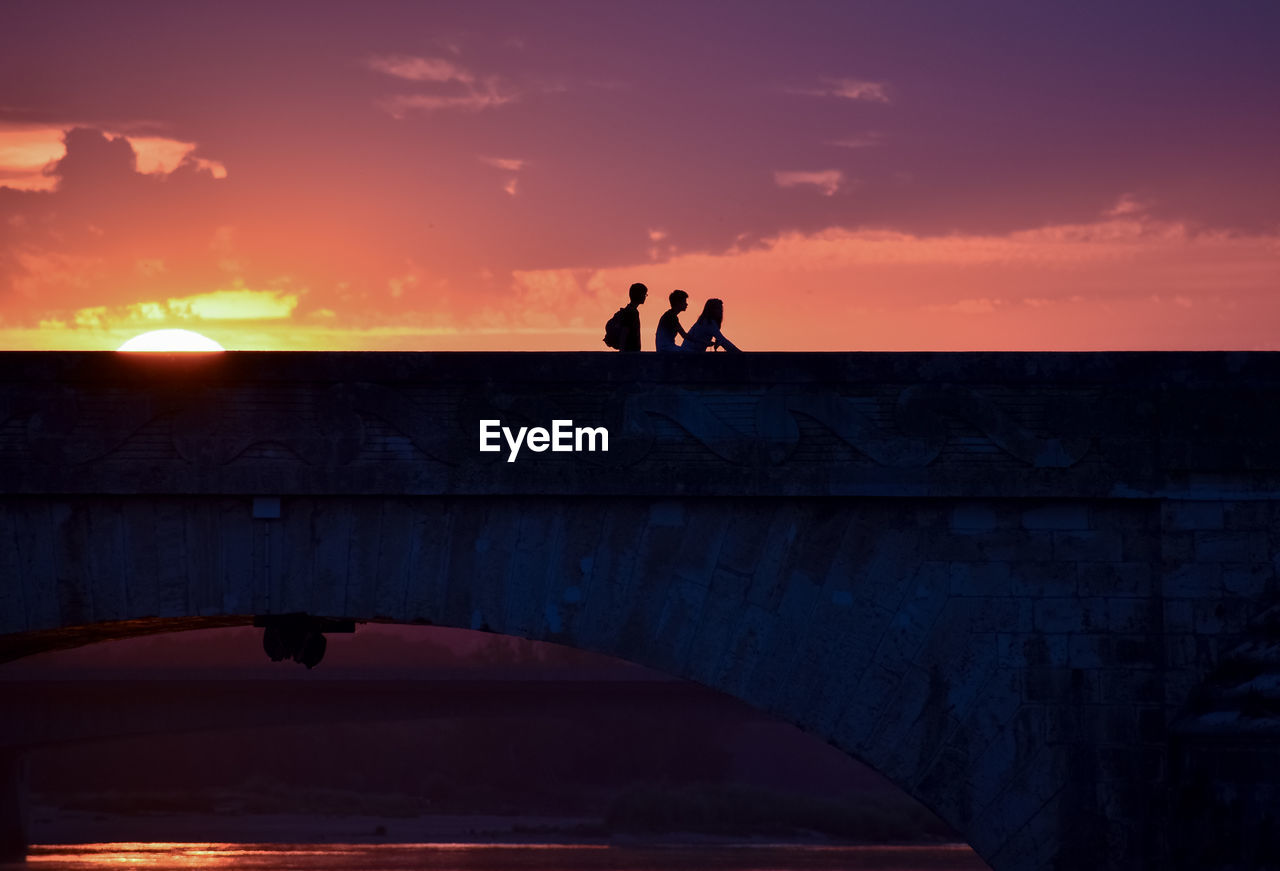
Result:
1121,425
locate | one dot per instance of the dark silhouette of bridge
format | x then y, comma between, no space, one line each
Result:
1037,591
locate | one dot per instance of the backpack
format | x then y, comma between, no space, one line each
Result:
614,330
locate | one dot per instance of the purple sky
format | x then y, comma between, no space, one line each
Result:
495,174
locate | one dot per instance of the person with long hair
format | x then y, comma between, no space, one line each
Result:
705,333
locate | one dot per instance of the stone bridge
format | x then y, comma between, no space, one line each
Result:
1037,591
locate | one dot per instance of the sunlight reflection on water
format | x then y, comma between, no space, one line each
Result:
500,857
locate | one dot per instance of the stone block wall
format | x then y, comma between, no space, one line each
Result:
1036,590
1022,666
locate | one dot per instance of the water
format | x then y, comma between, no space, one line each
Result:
494,857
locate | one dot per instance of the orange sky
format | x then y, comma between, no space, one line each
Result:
843,177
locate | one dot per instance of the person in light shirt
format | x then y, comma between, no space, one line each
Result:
705,333
669,324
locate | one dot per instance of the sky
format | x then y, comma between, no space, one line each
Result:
447,176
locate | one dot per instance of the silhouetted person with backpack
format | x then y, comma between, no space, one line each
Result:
705,332
623,329
669,325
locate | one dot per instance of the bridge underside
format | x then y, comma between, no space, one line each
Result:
20,644
1006,662
1033,590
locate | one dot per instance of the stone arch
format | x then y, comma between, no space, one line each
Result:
857,620
48,731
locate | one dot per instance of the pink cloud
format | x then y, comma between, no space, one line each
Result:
401,105
828,180
858,89
507,163
420,69
848,89
1126,205
25,151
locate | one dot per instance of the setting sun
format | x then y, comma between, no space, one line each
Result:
171,340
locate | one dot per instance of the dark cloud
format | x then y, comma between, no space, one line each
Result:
95,160
95,239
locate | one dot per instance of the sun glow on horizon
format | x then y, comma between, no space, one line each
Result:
171,341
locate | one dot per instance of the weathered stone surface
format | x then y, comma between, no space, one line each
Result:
1082,425
1022,624
1115,579
1056,517
1180,515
